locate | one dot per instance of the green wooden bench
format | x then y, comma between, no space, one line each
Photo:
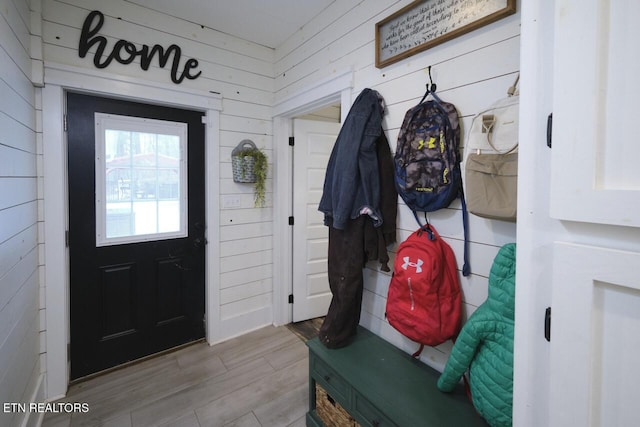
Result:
379,385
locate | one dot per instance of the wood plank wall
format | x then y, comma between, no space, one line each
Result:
20,208
242,72
471,71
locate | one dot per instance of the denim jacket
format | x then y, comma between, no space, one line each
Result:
351,185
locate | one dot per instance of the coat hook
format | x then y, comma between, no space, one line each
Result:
431,87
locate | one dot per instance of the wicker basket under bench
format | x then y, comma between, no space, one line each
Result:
372,383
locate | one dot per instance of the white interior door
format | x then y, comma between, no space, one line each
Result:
314,141
595,337
595,334
596,89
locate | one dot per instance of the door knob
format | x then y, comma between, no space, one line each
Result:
199,242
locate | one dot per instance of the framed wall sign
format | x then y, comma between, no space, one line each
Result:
427,23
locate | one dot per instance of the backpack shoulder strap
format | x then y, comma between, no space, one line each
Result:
466,268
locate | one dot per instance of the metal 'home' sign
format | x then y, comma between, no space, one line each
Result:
125,52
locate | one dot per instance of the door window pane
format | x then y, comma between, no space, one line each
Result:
140,179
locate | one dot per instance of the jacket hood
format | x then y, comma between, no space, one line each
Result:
502,280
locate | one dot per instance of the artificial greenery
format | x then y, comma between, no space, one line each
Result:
259,170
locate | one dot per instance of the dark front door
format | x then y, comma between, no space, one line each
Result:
136,230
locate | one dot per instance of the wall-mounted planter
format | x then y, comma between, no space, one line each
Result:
249,165
243,162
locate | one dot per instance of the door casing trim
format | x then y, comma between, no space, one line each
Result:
336,88
55,272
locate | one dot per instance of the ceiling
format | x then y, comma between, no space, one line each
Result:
266,22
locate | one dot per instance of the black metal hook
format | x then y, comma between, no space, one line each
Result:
431,86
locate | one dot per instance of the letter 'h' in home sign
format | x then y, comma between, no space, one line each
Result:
126,52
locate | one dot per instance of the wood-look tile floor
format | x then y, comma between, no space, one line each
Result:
256,380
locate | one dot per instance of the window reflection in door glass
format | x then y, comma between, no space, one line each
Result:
139,182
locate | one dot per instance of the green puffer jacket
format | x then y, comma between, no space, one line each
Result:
485,345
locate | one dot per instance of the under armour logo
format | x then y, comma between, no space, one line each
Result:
416,265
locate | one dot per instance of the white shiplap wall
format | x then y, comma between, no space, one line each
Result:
20,207
471,71
242,73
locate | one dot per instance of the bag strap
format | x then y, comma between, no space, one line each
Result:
433,234
489,120
490,136
416,355
514,88
466,267
435,97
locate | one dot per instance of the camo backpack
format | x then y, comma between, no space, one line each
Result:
428,175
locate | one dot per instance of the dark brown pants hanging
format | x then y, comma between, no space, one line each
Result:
345,264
